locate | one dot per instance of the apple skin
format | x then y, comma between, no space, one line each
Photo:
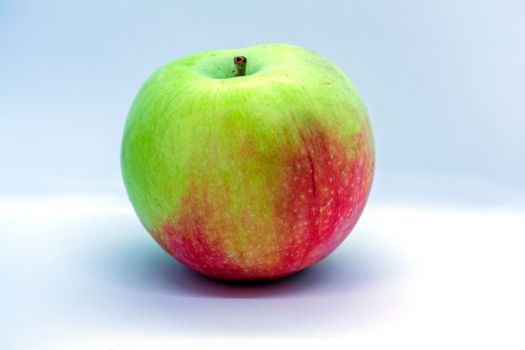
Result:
252,177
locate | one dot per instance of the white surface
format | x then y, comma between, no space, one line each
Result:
81,273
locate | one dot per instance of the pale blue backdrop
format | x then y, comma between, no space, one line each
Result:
443,81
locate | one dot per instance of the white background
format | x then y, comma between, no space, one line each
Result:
435,261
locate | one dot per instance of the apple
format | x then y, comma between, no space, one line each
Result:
248,164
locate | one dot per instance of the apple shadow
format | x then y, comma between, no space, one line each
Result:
140,264
134,284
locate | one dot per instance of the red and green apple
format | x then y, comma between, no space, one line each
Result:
249,163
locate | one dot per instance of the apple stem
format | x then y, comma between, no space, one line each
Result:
240,66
